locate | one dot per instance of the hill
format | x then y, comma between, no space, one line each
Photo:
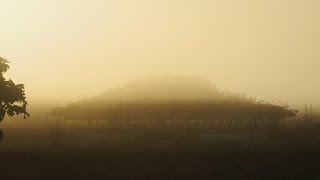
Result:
168,100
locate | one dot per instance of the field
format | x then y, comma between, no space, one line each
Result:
99,153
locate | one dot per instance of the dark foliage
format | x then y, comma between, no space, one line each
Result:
12,96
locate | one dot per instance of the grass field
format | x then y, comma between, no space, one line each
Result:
159,154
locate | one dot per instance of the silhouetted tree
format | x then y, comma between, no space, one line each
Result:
12,96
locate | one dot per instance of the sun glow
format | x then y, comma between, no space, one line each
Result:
56,46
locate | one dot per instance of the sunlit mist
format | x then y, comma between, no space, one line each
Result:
67,49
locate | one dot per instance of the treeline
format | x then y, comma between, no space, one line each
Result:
187,102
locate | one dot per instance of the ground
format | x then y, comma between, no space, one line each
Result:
31,153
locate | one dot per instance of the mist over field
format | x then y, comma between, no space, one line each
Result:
170,89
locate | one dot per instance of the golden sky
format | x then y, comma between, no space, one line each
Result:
66,49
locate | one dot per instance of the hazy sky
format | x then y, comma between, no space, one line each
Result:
65,49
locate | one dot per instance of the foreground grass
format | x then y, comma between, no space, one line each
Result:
159,154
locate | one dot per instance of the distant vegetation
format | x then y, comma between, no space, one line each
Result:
173,101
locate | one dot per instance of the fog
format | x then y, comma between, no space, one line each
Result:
64,50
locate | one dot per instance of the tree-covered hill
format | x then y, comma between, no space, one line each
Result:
172,100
